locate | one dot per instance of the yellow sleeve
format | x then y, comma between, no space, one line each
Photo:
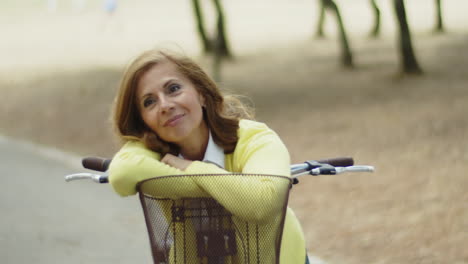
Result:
259,151
135,163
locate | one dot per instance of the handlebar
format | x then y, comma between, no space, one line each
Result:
102,164
94,177
320,167
337,162
96,163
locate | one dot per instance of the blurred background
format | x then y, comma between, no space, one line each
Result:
384,81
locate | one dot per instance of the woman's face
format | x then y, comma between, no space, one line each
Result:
170,105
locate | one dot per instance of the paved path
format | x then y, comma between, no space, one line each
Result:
46,220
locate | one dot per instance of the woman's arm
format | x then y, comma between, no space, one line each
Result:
253,198
135,163
259,151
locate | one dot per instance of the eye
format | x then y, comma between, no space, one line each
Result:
148,101
174,88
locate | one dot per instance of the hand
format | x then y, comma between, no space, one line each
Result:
176,162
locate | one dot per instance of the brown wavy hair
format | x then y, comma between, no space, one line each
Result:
221,113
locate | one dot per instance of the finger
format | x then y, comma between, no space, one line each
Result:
168,158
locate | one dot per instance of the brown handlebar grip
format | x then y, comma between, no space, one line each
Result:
338,162
96,163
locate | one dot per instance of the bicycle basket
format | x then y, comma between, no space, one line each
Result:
228,218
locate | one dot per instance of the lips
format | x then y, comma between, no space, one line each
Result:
173,120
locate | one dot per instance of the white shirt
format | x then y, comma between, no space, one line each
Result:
213,154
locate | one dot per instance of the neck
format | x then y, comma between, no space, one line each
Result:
194,148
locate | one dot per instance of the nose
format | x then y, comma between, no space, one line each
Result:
165,104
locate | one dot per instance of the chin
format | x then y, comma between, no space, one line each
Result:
174,139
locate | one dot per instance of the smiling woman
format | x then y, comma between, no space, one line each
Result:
173,120
157,75
170,105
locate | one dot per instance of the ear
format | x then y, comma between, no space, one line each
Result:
201,98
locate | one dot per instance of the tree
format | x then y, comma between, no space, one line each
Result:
207,47
321,21
221,39
439,28
375,32
219,43
409,63
346,56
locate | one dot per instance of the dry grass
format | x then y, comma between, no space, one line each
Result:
413,209
414,130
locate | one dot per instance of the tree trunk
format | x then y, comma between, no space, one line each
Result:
440,23
321,21
346,56
217,58
221,39
207,46
410,64
376,30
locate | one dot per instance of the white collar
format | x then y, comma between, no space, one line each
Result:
213,154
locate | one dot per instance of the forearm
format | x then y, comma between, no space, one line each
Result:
252,197
134,164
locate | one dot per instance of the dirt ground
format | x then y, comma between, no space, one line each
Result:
414,130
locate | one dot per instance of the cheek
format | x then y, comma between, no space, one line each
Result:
149,119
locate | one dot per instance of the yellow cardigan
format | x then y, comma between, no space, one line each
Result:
259,151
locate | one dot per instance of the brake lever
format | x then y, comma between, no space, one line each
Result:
356,168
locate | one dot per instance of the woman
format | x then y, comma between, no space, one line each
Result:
173,120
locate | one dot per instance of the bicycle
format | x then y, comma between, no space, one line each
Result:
200,230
